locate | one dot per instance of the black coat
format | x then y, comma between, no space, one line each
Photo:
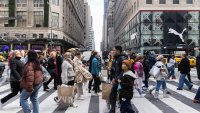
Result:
52,67
116,68
127,83
16,68
198,66
184,66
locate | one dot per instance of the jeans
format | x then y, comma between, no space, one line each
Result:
197,97
171,72
189,77
183,80
113,98
159,83
15,89
33,97
126,107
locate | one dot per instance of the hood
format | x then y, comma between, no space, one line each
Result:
130,73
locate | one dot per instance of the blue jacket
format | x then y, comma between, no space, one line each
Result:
95,67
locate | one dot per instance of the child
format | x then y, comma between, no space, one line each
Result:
126,91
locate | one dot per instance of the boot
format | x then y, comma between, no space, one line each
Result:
156,94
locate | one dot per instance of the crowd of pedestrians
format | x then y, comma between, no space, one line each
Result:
124,71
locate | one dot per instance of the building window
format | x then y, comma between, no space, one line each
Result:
189,1
175,1
22,22
162,1
38,3
55,20
3,3
55,2
21,3
41,35
148,1
38,18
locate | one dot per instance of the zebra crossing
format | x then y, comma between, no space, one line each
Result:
177,102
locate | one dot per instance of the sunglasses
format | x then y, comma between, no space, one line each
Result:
161,66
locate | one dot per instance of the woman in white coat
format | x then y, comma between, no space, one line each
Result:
78,62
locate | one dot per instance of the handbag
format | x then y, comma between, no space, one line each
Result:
46,75
154,71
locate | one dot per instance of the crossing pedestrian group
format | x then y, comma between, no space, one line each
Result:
31,70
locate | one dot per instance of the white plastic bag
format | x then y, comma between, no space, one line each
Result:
154,71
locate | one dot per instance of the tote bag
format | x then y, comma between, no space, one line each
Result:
154,71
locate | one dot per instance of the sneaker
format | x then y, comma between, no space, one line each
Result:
80,98
89,91
1,106
74,105
150,91
56,99
47,90
179,89
190,87
195,101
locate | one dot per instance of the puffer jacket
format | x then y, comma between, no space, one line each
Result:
127,82
31,77
16,67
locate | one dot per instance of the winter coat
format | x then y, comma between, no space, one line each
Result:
68,73
95,67
116,68
127,83
31,77
161,76
171,63
138,67
16,67
184,66
52,67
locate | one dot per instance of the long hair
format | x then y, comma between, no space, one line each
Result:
33,58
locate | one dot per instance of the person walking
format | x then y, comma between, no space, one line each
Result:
16,67
146,72
171,66
161,77
90,67
68,73
95,72
198,65
126,92
31,83
139,71
184,68
78,62
54,68
116,72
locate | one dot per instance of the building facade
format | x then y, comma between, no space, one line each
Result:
108,26
142,25
41,24
91,40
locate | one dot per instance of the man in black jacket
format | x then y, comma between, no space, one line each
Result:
115,75
198,66
184,68
16,67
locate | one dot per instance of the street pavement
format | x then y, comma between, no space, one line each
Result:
178,101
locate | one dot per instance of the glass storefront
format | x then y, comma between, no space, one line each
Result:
161,28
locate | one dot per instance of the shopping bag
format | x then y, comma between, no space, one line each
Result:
106,89
154,71
46,75
65,94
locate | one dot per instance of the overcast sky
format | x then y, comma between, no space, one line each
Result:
96,7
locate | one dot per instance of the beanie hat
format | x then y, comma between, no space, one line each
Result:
128,63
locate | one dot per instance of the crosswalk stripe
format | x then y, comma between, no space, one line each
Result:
103,106
142,104
4,87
